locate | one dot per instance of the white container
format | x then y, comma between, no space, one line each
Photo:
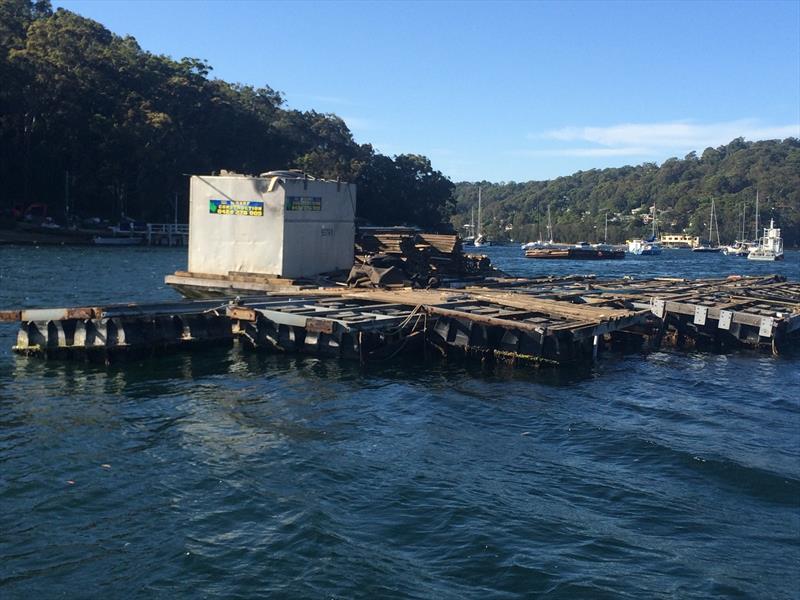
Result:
284,225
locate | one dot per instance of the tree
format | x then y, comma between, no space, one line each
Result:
127,124
405,190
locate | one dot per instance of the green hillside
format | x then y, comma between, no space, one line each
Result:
681,190
92,122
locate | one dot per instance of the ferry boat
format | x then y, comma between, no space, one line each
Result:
770,246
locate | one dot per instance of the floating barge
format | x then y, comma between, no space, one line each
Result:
264,251
519,321
578,252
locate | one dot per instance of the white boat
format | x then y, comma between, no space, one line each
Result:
644,247
541,244
741,247
770,246
712,224
737,249
648,247
470,239
480,239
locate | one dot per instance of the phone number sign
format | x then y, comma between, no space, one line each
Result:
238,208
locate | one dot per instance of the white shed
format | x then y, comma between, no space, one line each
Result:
281,223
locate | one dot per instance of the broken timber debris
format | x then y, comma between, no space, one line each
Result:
408,258
543,321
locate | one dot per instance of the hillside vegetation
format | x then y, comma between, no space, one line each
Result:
681,190
91,114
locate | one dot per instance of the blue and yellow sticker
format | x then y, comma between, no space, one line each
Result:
239,208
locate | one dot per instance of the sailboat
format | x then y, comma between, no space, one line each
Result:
579,251
770,246
648,247
549,243
711,225
470,239
604,245
480,239
740,247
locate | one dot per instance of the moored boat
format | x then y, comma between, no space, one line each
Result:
542,244
741,247
712,224
649,246
736,249
770,246
480,239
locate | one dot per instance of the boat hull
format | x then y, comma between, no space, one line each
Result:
117,241
765,258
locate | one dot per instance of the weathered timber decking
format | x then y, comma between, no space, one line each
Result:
529,321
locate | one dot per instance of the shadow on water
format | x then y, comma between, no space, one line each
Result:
207,363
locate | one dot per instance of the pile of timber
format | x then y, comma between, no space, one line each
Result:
414,259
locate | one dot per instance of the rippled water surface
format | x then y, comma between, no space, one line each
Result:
224,473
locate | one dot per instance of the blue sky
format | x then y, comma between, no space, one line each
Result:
502,91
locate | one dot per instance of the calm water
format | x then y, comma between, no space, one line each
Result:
230,474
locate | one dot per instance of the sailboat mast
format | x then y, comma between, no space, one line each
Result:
744,213
713,224
549,226
756,235
479,212
654,222
472,222
605,231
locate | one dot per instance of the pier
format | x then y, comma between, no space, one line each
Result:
166,234
517,321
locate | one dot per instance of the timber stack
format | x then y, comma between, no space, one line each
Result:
413,259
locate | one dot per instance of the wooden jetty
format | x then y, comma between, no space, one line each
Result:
521,321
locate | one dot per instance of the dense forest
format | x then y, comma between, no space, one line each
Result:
680,189
93,125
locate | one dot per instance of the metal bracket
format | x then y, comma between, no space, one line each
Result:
658,308
725,318
766,327
700,314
